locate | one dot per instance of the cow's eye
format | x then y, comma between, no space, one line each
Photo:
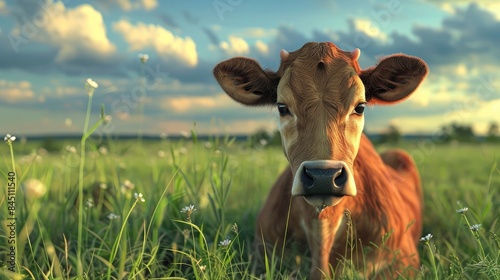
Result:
283,109
360,108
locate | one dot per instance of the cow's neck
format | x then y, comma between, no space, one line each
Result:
372,181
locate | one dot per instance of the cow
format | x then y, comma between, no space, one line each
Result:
340,200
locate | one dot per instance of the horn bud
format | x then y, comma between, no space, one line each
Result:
284,55
355,54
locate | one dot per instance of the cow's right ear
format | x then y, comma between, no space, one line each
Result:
246,82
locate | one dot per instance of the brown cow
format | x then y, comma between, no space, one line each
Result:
339,195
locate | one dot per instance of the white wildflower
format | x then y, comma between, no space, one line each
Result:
103,150
42,152
34,188
183,150
127,186
475,227
9,138
68,122
225,243
188,209
263,142
161,154
139,197
89,202
203,268
208,145
426,238
71,149
143,57
113,216
462,210
90,86
185,134
107,119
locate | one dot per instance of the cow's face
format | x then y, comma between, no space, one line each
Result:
320,94
320,101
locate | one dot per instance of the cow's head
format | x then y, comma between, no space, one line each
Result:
320,93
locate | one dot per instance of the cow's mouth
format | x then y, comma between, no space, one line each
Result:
323,183
320,202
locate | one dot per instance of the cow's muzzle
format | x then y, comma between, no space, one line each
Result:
323,182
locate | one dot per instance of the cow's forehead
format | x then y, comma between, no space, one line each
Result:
320,72
313,54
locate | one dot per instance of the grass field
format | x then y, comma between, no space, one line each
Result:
115,233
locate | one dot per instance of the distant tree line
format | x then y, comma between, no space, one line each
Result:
391,135
263,138
448,133
493,134
451,132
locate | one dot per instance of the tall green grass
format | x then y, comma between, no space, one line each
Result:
226,182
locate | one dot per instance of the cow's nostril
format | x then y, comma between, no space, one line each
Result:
340,178
307,178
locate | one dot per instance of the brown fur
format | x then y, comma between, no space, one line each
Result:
387,202
321,85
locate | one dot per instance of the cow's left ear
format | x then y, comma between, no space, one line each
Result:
393,79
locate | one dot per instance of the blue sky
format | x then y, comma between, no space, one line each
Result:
49,48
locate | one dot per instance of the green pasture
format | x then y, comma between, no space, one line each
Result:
110,233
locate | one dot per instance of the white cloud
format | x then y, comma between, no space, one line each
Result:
447,7
235,46
370,29
479,114
436,91
492,6
212,126
12,92
262,47
3,8
463,85
169,46
73,30
197,103
149,4
61,91
176,86
216,27
128,5
461,70
258,32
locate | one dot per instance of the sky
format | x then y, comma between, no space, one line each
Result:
49,48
